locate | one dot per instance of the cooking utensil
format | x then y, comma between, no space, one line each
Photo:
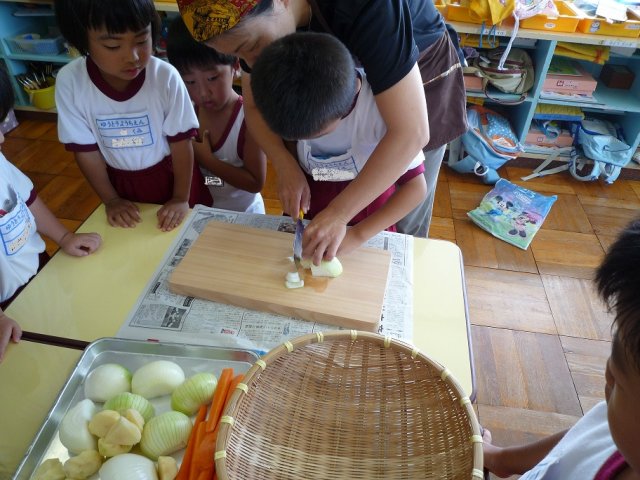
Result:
297,240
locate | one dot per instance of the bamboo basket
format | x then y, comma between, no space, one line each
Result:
348,405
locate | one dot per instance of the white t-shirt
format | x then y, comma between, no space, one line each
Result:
20,243
341,154
224,195
130,128
581,452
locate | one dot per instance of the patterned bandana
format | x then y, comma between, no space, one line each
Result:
208,18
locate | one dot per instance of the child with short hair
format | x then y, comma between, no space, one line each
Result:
23,216
605,443
230,160
307,88
125,114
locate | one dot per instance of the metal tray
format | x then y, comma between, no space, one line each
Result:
131,354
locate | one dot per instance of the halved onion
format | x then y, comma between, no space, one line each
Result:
74,428
125,400
157,378
129,466
106,381
193,392
165,434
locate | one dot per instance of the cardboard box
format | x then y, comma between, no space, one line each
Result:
472,83
580,81
537,137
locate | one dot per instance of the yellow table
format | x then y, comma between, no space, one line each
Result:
90,298
31,376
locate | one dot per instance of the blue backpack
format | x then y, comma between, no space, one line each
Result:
487,145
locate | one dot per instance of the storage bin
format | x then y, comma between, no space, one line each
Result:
599,26
566,21
460,12
36,44
44,98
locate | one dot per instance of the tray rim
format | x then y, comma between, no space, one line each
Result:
51,421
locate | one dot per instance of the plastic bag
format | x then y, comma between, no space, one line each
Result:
512,213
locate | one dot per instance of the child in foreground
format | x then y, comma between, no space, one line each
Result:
605,443
308,90
23,216
125,114
233,166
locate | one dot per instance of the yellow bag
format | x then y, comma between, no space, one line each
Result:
492,11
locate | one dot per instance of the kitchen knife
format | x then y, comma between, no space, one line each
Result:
297,240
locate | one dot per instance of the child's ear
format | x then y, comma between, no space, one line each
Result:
236,68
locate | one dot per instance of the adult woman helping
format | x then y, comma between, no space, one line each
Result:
406,52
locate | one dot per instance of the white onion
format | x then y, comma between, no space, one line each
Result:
106,381
125,400
128,466
157,378
74,428
165,434
193,392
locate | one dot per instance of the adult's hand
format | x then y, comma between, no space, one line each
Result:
323,236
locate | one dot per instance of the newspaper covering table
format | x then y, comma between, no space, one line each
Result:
162,315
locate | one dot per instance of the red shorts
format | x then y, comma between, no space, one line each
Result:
155,184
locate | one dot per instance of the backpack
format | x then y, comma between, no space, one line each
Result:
596,142
489,143
515,76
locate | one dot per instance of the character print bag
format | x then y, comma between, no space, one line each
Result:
512,213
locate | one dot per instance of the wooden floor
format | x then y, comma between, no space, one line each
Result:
540,336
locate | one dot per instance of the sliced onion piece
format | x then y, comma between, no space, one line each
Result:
106,381
74,428
125,400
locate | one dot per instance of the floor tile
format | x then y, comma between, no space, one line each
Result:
70,198
465,197
32,129
481,249
566,253
442,201
576,308
609,216
548,185
587,360
635,186
606,241
13,146
39,180
503,299
522,370
567,215
619,189
44,157
442,229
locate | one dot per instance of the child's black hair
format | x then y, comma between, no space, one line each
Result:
302,82
7,98
185,53
76,17
618,283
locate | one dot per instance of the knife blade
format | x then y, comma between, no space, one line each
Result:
297,240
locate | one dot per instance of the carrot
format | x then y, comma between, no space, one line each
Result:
196,462
219,398
183,472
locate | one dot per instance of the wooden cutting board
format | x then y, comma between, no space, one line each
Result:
245,266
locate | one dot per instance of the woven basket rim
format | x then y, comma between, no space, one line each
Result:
297,343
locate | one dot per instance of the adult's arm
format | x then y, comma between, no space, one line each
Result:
403,108
293,189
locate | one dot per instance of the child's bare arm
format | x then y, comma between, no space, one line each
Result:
120,212
78,245
250,177
9,331
171,214
506,461
405,198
